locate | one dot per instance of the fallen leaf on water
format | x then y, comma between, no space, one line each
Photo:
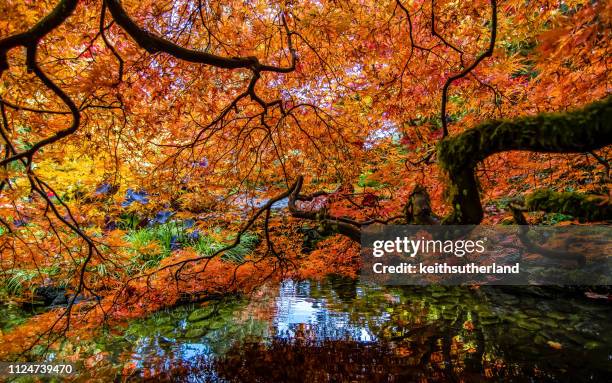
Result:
555,345
468,325
592,295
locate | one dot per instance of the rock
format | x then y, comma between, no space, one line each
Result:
200,324
79,298
590,329
531,312
49,293
547,322
166,331
528,325
215,325
488,321
60,300
539,339
196,332
592,345
201,313
555,315
576,338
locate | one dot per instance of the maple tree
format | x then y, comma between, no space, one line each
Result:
355,112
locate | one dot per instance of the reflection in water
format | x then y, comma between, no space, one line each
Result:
301,316
341,330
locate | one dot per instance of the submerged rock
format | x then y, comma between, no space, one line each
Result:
592,345
555,315
528,325
201,313
196,332
166,331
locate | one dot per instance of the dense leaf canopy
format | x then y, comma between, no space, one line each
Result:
204,110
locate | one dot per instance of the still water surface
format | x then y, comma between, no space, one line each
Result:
341,330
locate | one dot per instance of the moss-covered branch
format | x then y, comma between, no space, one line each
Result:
576,131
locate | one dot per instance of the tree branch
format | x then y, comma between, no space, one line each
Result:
31,37
466,71
153,44
351,230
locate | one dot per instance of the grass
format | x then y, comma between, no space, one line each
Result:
15,282
18,279
247,244
173,235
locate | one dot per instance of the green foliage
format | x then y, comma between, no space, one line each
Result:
555,218
18,279
247,244
12,315
366,181
129,221
167,236
174,235
206,245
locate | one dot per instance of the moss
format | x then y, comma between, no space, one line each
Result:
579,205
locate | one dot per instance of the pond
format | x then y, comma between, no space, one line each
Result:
338,329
